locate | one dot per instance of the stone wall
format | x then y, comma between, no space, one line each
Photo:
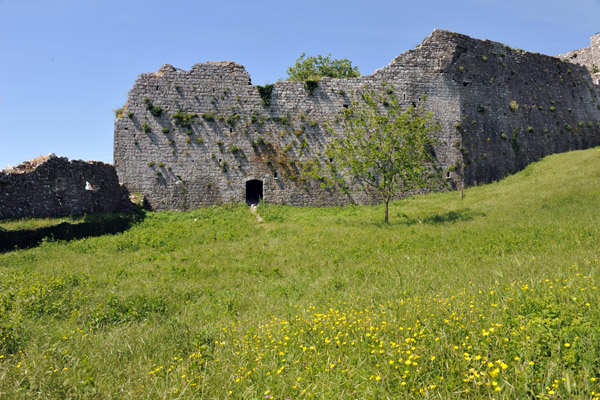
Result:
589,57
517,107
54,186
195,138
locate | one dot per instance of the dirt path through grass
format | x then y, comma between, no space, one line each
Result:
253,210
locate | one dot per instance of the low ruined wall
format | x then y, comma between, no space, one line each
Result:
59,187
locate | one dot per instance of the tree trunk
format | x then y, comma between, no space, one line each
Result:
387,203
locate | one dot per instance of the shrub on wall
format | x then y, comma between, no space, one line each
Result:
119,112
156,111
184,119
265,93
232,119
311,85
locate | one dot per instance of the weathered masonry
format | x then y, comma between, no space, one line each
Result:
54,186
589,57
200,137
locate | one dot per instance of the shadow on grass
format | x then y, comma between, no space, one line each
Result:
449,217
92,225
424,218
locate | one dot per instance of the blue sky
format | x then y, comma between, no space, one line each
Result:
65,64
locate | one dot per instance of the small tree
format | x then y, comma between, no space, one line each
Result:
316,67
383,148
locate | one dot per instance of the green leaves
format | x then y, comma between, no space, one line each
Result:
384,148
265,93
184,119
315,67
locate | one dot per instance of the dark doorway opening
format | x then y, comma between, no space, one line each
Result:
254,191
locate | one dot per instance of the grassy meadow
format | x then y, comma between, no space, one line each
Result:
492,296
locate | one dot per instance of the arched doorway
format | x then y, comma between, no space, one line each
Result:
254,191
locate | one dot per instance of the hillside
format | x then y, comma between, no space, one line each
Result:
494,295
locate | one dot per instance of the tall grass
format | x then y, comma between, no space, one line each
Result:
492,296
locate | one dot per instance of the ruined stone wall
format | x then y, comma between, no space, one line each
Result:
194,138
59,187
240,138
517,107
589,57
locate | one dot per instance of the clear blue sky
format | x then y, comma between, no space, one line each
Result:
65,64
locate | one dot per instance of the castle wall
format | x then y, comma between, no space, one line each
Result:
595,46
517,107
233,136
59,187
210,161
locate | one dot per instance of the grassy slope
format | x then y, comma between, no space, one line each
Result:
161,311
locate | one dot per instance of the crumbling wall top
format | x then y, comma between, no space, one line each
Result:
589,57
28,166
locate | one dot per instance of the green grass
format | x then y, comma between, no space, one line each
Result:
34,223
492,296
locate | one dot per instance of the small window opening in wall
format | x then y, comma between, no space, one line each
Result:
275,175
330,159
345,105
230,130
220,160
448,175
157,88
60,184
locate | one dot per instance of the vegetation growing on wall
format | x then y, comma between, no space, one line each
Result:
316,67
311,85
209,117
231,120
184,119
265,93
120,112
156,111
